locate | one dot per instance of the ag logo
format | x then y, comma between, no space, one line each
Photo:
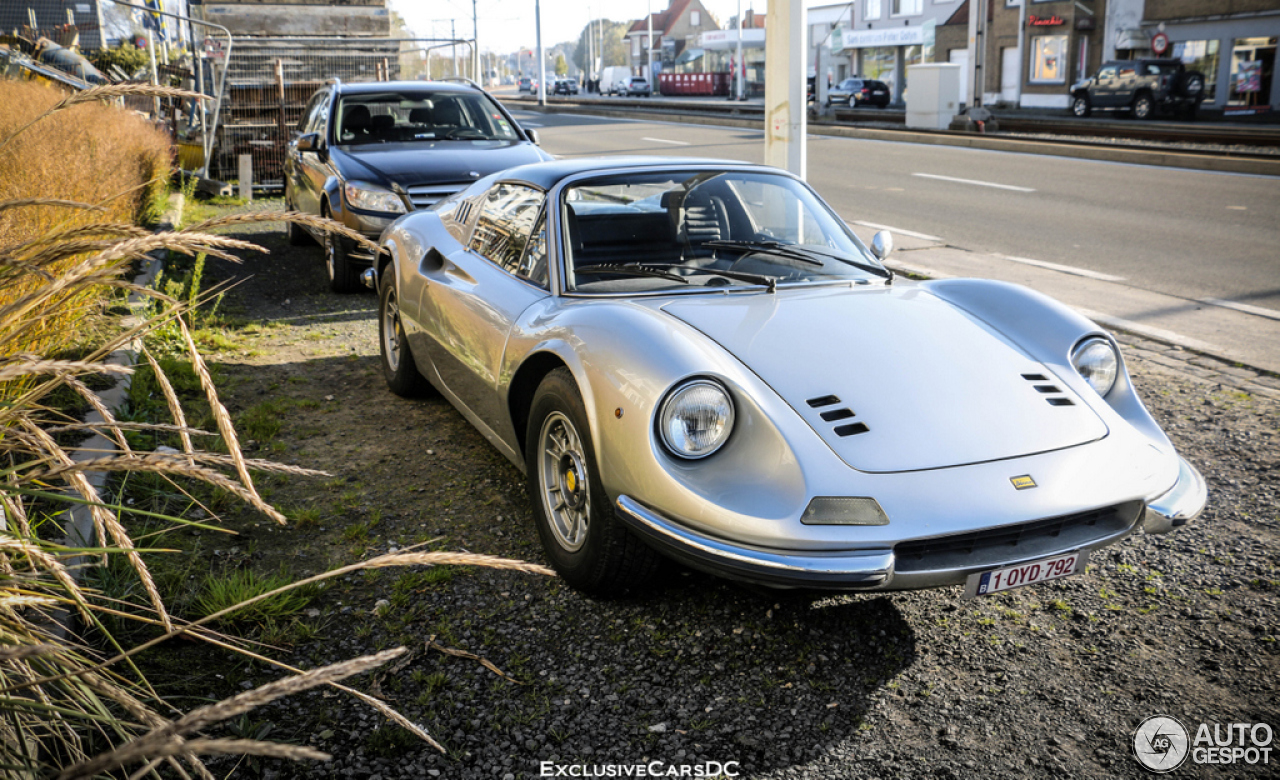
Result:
1160,743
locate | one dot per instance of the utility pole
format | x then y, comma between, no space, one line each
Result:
542,57
785,107
740,67
453,47
475,45
649,46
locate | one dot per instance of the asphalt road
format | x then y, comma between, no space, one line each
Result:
1193,235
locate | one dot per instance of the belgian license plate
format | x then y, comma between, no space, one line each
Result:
878,92
988,582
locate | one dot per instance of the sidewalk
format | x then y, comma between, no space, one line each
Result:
1237,346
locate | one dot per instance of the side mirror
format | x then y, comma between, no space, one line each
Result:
309,142
882,244
533,136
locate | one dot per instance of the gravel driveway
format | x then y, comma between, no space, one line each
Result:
1047,681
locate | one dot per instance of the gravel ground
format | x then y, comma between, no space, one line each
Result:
1051,680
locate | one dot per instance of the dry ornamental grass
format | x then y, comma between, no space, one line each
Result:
76,176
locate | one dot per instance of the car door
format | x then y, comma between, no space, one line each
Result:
293,172
1126,83
1103,94
313,166
473,297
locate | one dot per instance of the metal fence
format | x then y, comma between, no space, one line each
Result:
269,81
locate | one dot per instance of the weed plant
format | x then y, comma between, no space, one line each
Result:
64,254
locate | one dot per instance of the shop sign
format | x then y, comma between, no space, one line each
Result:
869,39
1045,21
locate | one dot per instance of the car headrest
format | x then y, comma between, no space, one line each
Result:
358,119
449,113
383,122
420,116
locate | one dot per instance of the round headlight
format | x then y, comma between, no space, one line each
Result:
1096,360
696,419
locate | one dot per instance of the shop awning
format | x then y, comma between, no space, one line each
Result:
689,55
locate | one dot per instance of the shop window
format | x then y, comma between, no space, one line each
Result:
1252,66
906,7
872,10
878,64
1049,59
1201,56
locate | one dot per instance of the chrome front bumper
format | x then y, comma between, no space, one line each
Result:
848,570
1178,505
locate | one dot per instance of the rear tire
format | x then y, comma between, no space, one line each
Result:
398,367
1080,106
585,542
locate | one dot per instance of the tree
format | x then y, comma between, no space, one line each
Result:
562,67
615,49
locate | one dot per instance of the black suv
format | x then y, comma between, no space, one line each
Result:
858,92
1142,87
367,153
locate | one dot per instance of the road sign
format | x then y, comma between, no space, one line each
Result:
1159,44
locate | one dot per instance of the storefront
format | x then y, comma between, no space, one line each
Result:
707,68
884,54
1237,56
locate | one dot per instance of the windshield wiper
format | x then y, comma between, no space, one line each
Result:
641,269
629,269
801,252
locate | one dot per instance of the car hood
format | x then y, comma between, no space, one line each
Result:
429,162
920,384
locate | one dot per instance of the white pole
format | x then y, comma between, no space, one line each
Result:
649,45
542,57
740,67
785,108
1022,51
453,47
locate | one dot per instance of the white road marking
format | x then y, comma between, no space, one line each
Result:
974,181
1243,307
899,231
665,141
1066,269
530,124
1160,334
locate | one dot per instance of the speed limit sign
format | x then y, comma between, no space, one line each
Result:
1159,43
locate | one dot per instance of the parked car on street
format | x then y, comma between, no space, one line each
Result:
699,359
565,87
611,76
1144,88
367,153
525,84
619,88
859,92
639,87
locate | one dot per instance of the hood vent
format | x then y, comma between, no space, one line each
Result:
1053,394
834,415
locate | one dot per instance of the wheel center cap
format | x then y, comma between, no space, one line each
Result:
571,478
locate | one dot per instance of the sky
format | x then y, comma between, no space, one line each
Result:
506,25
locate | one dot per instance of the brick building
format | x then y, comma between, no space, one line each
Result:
673,29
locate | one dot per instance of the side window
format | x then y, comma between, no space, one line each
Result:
534,264
505,225
1107,73
308,119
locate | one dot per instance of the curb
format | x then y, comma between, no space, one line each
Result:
1135,156
78,523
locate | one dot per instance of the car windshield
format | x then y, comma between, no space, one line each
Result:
705,230
394,116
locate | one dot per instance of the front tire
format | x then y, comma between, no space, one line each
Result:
398,367
1143,107
1080,106
586,544
342,276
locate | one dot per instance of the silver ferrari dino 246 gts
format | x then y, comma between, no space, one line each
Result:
699,359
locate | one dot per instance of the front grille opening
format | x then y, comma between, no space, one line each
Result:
1018,542
851,429
1035,377
1047,389
1060,402
825,400
838,414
